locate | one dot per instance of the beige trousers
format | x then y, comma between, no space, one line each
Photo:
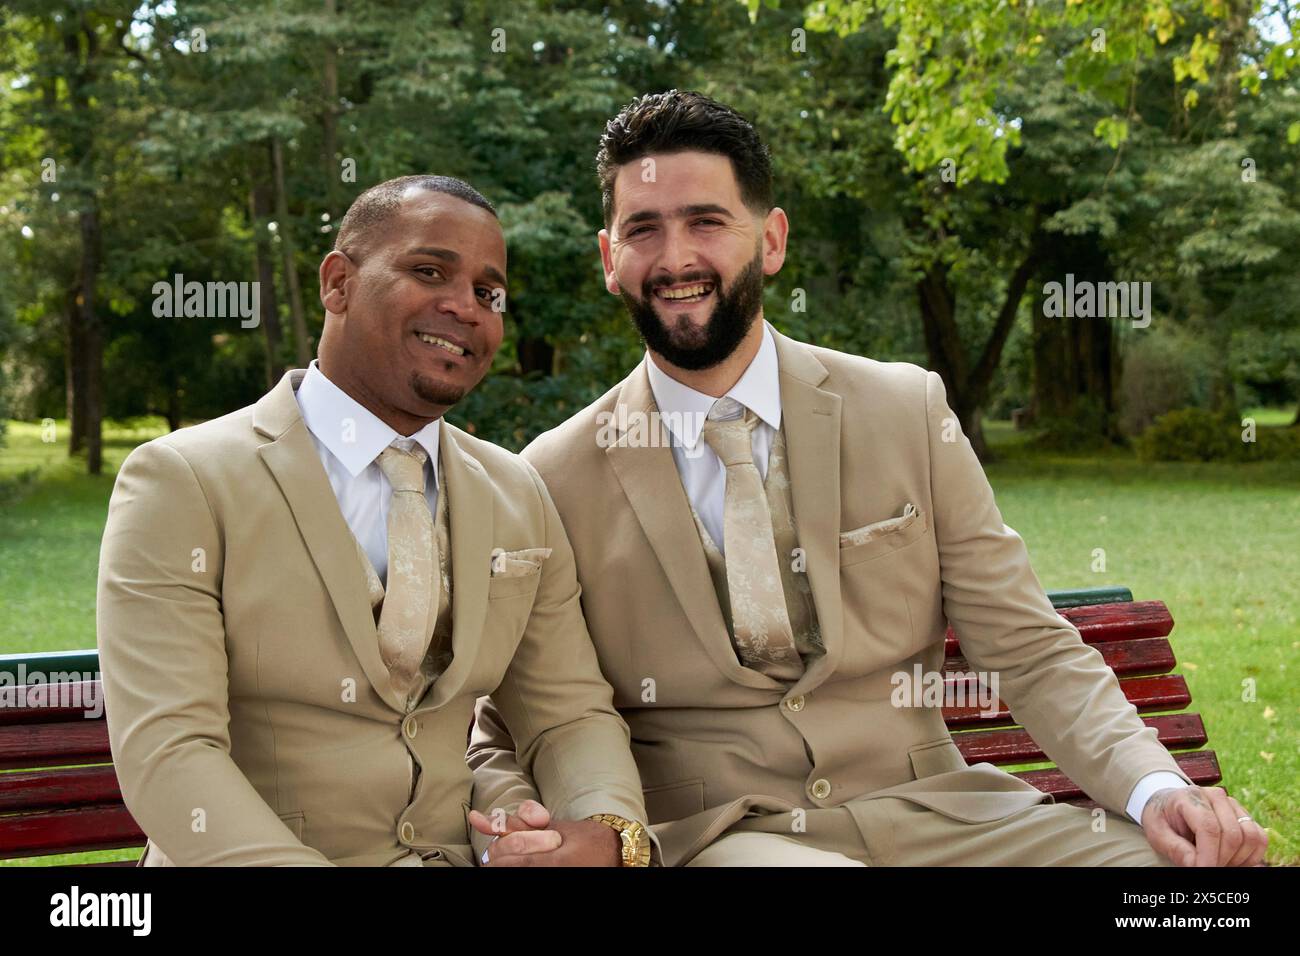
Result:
889,831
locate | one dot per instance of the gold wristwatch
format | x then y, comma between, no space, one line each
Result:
636,841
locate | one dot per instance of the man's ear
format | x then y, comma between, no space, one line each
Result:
607,262
776,228
335,270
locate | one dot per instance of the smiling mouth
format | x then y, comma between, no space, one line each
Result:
685,294
439,342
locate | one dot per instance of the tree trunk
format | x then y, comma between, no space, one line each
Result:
74,363
968,386
947,355
1075,363
260,208
303,347
329,120
1076,358
1210,315
535,355
92,336
87,336
173,407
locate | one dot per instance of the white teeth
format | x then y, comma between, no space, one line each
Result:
687,292
441,343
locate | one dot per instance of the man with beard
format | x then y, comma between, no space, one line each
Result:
300,602
755,590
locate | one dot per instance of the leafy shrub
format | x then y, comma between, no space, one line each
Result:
1275,444
1085,430
1161,373
1194,434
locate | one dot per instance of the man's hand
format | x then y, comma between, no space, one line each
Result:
1203,826
523,832
583,843
529,838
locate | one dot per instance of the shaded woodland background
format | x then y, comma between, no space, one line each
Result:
938,165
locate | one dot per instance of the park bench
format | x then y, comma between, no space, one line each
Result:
59,794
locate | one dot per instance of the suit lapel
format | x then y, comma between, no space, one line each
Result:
469,513
294,463
654,489
811,419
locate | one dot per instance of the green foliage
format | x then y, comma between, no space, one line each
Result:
951,63
1008,92
1084,430
1163,371
1189,434
1194,434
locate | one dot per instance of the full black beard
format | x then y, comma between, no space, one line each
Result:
732,317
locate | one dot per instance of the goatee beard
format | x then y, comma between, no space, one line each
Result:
435,392
693,347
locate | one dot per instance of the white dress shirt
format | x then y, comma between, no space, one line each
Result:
704,476
348,439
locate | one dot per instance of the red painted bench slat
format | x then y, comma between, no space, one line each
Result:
1202,766
1143,657
24,746
1107,622
1176,731
58,789
1166,692
27,704
78,808
69,831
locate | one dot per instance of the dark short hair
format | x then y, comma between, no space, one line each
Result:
682,120
378,204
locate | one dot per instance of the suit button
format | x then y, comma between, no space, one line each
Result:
795,704
821,789
408,832
410,727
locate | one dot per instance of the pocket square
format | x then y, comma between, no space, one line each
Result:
516,564
875,530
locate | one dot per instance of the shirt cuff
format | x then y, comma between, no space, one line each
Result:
1146,788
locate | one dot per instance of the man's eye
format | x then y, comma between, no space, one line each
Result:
485,293
638,230
431,271
708,222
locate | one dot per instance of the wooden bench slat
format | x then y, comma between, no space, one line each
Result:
50,662
1105,622
26,791
69,831
79,808
1165,692
26,746
1202,766
1082,596
1016,746
1142,657
109,863
1114,622
29,704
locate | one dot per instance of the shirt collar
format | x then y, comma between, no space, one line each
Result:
352,433
683,409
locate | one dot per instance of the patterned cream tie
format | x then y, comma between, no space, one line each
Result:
760,620
411,592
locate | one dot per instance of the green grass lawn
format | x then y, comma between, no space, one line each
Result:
1217,543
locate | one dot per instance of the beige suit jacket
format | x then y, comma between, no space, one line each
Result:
715,740
251,718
